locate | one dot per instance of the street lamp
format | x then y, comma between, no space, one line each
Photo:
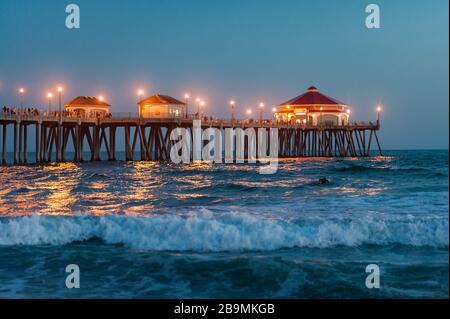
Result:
49,96
378,114
186,98
202,104
140,93
249,113
232,110
21,96
198,100
60,89
100,98
261,109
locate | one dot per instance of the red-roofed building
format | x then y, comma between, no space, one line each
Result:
314,108
161,106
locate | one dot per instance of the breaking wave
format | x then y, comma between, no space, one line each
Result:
205,231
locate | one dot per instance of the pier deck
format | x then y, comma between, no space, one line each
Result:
52,135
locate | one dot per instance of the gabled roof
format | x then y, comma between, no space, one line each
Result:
161,99
86,100
312,97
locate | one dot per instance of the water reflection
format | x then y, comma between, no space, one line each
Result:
142,188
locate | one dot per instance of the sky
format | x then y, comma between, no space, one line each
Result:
246,50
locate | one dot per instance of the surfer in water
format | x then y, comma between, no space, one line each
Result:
323,180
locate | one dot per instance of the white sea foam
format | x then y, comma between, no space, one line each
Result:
205,231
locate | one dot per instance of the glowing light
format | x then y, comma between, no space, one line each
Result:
140,92
378,108
202,103
231,102
348,111
321,108
288,106
197,100
249,111
21,90
186,96
60,89
274,109
261,105
49,95
100,98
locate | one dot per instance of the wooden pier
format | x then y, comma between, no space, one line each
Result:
149,139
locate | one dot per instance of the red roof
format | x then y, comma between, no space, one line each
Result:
161,99
86,100
312,97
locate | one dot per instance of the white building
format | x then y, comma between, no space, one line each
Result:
161,106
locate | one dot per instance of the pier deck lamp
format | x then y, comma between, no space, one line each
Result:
261,109
60,89
186,98
21,96
49,96
198,100
202,104
378,114
232,103
140,93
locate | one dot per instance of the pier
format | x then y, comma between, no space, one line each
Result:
148,139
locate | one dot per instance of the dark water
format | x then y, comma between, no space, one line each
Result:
141,229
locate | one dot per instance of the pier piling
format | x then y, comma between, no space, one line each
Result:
54,135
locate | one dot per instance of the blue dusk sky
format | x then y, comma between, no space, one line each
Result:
248,50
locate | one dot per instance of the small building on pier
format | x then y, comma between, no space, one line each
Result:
87,106
313,108
161,106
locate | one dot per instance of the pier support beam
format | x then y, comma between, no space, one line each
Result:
4,144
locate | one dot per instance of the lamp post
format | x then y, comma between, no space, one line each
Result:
21,97
198,100
348,116
261,110
60,89
202,104
49,96
186,98
140,93
249,113
232,103
378,115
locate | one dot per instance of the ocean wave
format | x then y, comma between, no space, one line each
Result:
205,231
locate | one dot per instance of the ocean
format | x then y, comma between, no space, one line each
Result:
155,230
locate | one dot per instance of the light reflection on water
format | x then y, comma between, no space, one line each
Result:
255,227
150,187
